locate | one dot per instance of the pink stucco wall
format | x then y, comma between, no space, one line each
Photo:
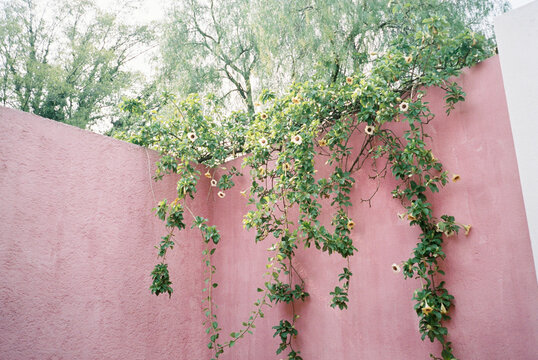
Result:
76,250
76,238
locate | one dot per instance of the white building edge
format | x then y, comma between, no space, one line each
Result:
517,40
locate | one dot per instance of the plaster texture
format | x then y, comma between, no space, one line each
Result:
76,250
76,240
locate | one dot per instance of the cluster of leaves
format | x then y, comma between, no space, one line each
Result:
340,295
285,141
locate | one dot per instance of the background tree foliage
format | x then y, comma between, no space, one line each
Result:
65,61
240,47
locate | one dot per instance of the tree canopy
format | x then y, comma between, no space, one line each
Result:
241,47
65,61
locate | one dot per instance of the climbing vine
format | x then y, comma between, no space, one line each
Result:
376,121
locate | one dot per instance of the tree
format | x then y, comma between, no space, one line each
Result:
211,46
245,46
65,62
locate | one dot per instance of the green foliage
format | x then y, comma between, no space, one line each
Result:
342,127
161,280
247,46
286,331
339,295
65,61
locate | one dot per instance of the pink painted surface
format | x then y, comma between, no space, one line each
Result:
76,240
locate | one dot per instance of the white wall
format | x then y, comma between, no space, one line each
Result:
517,38
518,3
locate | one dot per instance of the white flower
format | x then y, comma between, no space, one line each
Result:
263,142
297,139
404,107
408,59
221,194
213,182
369,130
396,268
263,116
192,136
455,178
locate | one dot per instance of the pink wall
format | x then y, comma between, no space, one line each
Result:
76,240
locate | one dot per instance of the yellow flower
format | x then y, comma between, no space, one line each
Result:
213,182
263,142
286,167
467,229
295,100
411,217
322,142
438,227
263,116
369,130
350,225
404,107
408,59
449,233
427,309
297,139
396,268
401,216
257,104
455,178
243,193
207,174
192,136
349,80
221,194
261,171
443,309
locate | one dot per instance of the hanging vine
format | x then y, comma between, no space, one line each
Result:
376,121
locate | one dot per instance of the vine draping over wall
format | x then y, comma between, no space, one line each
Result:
280,144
